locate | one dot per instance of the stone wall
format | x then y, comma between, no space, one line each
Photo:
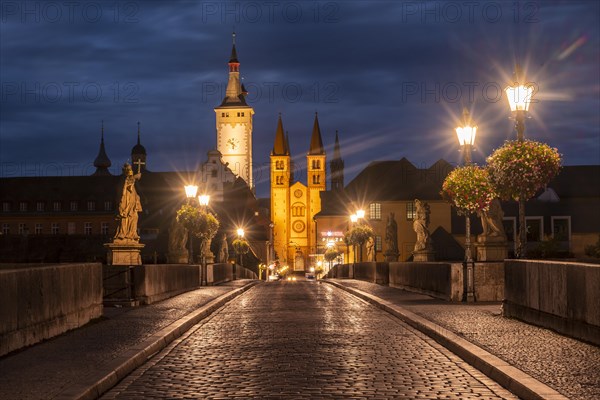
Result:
562,296
156,282
437,279
434,279
42,301
219,273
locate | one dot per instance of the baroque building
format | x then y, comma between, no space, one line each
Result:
294,204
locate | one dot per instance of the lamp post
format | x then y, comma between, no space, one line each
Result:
519,98
240,233
466,139
203,200
190,193
353,220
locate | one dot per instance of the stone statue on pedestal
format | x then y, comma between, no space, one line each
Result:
491,221
391,239
125,248
129,207
492,243
421,226
370,249
223,250
178,253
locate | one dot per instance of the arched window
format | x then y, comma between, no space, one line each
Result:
298,210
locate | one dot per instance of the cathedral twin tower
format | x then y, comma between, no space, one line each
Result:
293,204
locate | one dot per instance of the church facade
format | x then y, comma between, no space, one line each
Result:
294,204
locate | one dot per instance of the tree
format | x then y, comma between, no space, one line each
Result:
518,170
241,247
358,235
200,223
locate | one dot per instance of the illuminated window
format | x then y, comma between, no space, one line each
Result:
410,211
5,229
23,229
104,228
87,228
38,229
377,243
54,229
375,211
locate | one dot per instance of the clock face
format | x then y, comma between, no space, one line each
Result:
233,144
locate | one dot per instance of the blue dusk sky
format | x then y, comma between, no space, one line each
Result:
391,76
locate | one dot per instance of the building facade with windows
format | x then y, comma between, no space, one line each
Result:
564,216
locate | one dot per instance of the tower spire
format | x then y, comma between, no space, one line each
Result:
316,143
102,162
279,147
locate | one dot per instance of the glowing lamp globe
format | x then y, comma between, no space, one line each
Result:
204,199
190,191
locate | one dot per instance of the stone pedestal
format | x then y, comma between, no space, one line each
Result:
124,253
391,257
423,255
491,248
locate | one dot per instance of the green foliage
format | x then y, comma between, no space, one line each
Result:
469,189
200,223
593,250
359,234
549,248
519,169
331,255
241,246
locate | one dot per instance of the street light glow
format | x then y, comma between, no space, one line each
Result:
519,94
190,191
360,213
240,232
353,218
204,199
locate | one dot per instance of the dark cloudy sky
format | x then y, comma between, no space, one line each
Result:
392,77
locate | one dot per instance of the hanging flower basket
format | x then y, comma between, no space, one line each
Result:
519,169
469,189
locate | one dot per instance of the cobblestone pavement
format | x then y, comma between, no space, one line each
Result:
567,365
304,340
42,371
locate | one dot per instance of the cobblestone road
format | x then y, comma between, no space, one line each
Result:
304,340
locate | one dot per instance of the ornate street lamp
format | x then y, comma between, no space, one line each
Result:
203,200
466,138
519,98
240,233
190,193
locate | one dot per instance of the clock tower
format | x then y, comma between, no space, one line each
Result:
234,124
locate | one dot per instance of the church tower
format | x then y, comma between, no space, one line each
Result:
138,155
234,124
316,168
336,166
280,192
102,162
